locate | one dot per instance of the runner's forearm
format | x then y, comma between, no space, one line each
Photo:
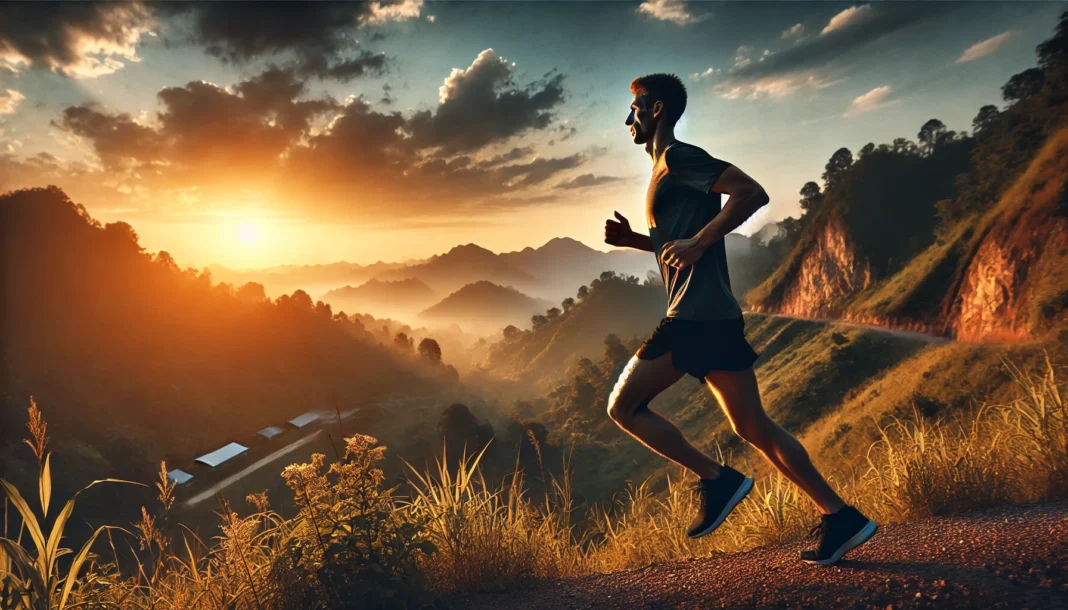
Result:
641,242
738,209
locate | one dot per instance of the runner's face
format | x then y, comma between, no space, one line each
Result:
641,121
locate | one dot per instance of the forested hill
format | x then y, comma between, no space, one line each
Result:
134,359
958,233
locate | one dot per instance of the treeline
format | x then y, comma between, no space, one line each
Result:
139,360
609,304
895,200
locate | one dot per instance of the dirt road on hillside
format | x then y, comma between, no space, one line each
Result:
1012,557
905,334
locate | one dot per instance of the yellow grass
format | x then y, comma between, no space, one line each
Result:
455,534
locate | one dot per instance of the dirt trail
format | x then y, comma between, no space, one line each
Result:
906,334
1012,557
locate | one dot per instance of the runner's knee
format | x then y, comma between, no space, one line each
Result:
621,403
756,432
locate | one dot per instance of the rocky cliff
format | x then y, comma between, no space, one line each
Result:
1015,284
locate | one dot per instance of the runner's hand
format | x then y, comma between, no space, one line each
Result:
681,252
617,233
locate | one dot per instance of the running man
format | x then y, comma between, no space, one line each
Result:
703,332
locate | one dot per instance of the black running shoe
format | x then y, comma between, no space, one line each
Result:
839,533
718,497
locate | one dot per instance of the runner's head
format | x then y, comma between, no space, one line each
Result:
659,100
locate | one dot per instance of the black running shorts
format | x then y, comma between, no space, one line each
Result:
700,346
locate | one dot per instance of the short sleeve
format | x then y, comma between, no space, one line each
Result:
695,167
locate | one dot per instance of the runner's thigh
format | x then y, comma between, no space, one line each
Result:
641,381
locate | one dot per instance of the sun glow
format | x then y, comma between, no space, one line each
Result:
250,233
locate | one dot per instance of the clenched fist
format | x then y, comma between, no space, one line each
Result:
618,233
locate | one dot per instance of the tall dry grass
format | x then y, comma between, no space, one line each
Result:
356,544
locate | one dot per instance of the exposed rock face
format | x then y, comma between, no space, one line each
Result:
1021,252
830,273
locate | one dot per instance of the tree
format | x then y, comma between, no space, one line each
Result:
323,309
811,197
538,321
904,146
985,118
510,332
429,349
836,167
123,236
165,260
867,150
583,292
251,293
463,431
552,313
931,134
402,342
568,303
615,353
1053,53
1023,85
301,300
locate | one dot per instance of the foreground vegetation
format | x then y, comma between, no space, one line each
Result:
355,542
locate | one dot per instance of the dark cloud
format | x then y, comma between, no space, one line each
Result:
350,158
872,22
119,142
366,161
203,131
322,35
481,104
512,155
587,180
72,38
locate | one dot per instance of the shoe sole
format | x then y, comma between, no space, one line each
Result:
858,539
738,496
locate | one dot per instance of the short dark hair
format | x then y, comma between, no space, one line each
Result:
666,88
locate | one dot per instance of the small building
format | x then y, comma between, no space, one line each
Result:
304,420
179,477
221,455
270,432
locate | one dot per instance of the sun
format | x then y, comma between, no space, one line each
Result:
250,233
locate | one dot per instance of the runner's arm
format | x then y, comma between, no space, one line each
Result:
745,197
641,242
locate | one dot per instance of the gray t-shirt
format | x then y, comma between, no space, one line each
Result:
679,203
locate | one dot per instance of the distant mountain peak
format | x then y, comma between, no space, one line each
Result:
470,248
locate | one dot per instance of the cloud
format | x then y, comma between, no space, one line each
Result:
209,146
384,12
774,86
321,35
852,16
10,101
77,39
482,104
586,180
821,60
793,32
119,141
706,74
675,11
871,100
203,127
985,47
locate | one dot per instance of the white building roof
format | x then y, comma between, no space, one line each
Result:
270,432
303,420
179,476
222,454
